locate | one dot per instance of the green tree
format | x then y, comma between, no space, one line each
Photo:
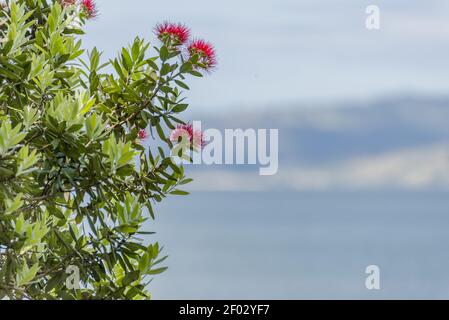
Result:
76,184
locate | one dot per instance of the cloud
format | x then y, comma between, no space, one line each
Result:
419,27
420,168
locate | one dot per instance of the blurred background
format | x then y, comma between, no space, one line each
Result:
363,119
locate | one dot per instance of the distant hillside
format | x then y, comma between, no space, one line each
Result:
324,134
401,142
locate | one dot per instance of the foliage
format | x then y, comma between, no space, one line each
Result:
75,179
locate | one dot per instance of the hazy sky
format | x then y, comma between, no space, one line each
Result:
273,52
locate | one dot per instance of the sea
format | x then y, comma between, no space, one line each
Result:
303,245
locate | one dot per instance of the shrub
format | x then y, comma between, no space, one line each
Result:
75,179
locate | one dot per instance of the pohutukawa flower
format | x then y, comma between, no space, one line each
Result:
142,134
185,133
198,139
177,32
207,58
89,8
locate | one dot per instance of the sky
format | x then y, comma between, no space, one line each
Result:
280,54
286,52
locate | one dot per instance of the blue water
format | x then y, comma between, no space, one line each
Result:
303,245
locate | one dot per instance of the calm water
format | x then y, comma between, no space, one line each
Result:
303,245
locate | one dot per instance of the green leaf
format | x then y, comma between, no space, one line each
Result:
182,84
163,53
180,107
179,192
26,274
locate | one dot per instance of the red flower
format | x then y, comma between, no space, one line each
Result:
182,130
206,52
90,8
198,139
174,31
143,134
188,134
